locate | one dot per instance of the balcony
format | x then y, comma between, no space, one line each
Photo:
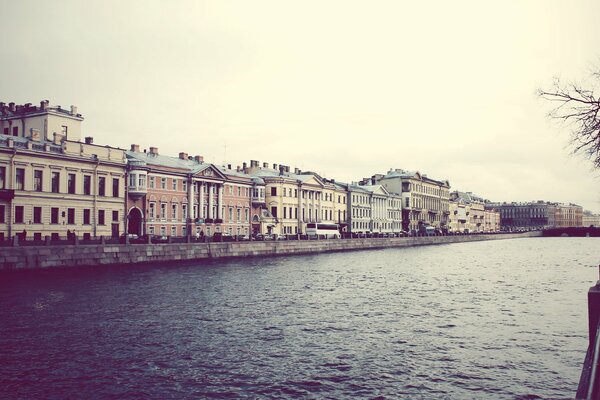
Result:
7,194
136,192
258,200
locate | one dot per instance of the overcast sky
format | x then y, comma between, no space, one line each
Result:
346,89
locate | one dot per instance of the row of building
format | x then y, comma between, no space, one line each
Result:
53,183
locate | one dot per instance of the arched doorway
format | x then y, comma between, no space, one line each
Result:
134,221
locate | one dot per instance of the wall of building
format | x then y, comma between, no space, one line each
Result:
94,255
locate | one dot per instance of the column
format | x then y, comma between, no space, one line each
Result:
201,202
220,202
190,195
209,187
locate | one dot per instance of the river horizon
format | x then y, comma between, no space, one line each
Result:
502,319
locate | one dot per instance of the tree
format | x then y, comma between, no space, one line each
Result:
579,107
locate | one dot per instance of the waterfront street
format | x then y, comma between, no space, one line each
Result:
496,320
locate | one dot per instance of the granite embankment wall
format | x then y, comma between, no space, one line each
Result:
12,258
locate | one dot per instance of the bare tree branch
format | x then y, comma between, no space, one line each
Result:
580,107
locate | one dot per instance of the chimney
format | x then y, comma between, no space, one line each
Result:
183,156
11,106
265,165
199,159
275,166
245,165
154,151
89,140
58,138
73,110
228,166
44,105
135,148
281,169
238,169
297,171
253,163
287,169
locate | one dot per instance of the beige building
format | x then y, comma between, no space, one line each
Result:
41,121
292,199
590,219
59,186
491,219
425,201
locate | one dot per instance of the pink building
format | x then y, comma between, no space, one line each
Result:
177,196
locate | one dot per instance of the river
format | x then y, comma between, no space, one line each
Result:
503,319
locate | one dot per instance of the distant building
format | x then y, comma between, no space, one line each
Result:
294,199
425,201
538,215
590,219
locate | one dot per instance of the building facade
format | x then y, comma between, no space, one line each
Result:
61,187
425,201
538,215
180,196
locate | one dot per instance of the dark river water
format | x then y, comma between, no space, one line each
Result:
500,319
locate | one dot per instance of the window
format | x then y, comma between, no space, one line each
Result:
87,184
102,186
284,212
152,210
184,211
239,214
6,131
141,181
274,211
86,216
273,191
173,231
163,210
151,182
184,184
174,183
247,215
100,217
2,213
70,216
151,230
231,213
174,211
239,191
37,180
37,215
71,183
2,177
19,211
115,188
20,179
64,129
15,131
163,183
115,215
54,215
163,230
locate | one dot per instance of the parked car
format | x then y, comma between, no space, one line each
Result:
281,237
129,236
243,238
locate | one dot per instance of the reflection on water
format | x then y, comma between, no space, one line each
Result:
498,319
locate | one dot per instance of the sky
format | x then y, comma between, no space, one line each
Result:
347,89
